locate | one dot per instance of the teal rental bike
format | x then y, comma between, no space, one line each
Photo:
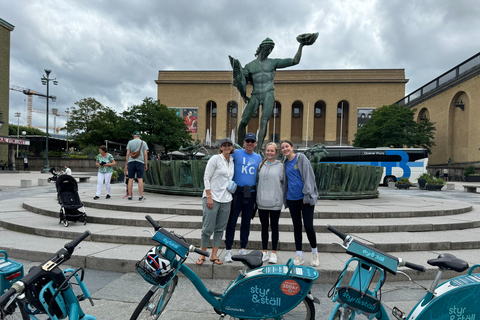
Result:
454,299
47,290
271,292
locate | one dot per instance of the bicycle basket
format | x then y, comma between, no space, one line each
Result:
152,277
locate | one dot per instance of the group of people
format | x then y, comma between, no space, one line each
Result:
267,185
136,163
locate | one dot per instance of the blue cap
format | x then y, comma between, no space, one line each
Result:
250,136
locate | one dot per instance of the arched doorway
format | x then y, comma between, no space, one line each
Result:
297,122
211,123
275,123
424,114
319,122
342,122
232,116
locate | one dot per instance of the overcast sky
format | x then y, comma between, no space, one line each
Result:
112,50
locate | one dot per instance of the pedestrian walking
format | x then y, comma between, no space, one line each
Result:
105,163
300,197
270,199
137,163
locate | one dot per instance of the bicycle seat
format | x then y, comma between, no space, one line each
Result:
449,261
252,260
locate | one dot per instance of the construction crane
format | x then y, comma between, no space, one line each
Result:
30,109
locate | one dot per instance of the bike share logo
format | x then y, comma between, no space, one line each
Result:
357,301
459,314
170,243
373,255
261,296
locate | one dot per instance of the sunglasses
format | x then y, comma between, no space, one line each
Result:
250,141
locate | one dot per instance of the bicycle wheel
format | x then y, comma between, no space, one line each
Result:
304,310
147,308
13,312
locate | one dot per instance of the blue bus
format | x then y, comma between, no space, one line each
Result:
397,162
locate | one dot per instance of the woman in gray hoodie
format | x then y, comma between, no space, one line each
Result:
270,198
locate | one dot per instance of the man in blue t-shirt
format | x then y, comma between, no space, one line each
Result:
245,176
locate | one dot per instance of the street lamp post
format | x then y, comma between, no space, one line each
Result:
18,114
46,81
67,112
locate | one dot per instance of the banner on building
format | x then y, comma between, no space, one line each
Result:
364,115
190,116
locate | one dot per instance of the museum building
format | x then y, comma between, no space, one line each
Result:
311,106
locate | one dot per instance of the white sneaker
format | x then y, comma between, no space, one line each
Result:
265,256
228,256
242,252
298,261
273,258
315,262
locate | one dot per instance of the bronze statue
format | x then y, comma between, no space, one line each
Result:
260,73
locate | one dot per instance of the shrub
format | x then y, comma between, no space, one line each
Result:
468,171
403,180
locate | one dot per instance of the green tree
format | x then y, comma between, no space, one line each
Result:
394,126
158,124
12,131
91,123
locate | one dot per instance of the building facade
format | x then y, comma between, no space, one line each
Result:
311,106
5,29
452,101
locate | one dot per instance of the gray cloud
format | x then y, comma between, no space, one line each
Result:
112,50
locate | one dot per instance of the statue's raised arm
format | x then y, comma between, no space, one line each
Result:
239,78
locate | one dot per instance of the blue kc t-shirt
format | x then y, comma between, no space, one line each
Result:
246,167
295,183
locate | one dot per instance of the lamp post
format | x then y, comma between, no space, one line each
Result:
18,114
46,81
67,112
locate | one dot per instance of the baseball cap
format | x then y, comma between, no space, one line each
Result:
136,133
250,135
226,140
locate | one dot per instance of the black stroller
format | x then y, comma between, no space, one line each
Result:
69,200
55,175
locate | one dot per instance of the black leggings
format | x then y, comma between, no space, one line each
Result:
297,210
274,217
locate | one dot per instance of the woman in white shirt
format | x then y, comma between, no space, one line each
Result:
216,199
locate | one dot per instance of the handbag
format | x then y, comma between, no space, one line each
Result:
135,154
232,186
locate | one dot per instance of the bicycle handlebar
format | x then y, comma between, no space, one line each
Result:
414,266
154,223
201,252
339,233
72,244
4,298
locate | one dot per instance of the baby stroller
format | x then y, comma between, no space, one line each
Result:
69,200
55,175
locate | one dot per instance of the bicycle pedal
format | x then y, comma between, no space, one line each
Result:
397,313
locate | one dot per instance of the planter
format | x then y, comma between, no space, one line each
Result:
434,187
402,185
422,183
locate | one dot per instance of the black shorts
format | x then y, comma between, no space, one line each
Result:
135,167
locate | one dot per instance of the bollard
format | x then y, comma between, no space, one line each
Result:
450,186
391,185
42,182
25,183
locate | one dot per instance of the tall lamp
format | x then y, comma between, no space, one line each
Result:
46,81
18,114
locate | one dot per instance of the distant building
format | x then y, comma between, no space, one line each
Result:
312,106
5,29
452,101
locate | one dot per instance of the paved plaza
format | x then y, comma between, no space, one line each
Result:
30,231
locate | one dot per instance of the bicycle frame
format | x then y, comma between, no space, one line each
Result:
455,299
66,300
265,292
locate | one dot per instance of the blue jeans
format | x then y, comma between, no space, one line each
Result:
246,209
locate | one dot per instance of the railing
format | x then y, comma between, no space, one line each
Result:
460,70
